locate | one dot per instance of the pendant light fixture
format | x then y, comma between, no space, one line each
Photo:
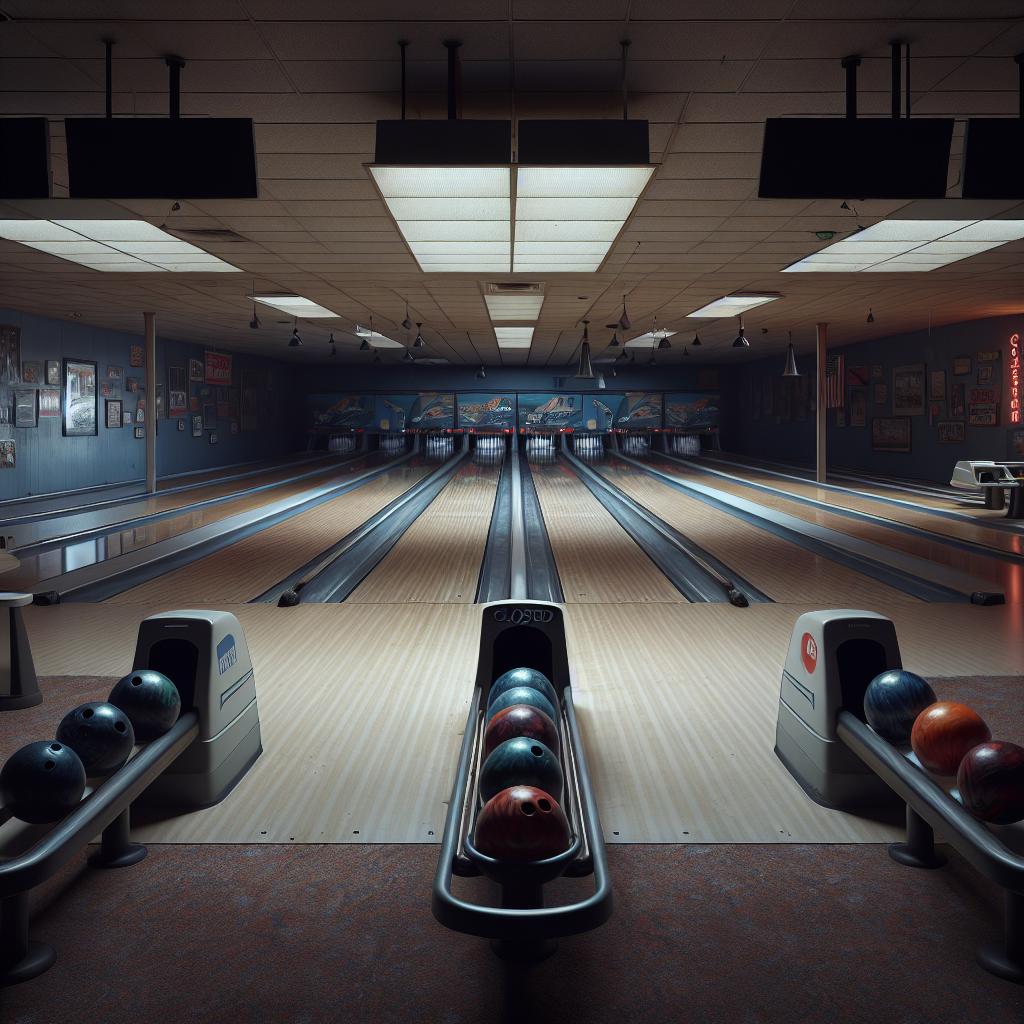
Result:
254,323
585,370
330,340
740,341
295,341
364,346
790,370
614,343
408,357
407,323
624,322
481,374
871,316
419,342
696,343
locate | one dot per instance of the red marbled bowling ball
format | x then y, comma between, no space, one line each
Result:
944,732
522,823
520,720
991,782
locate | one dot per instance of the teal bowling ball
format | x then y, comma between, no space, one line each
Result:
521,762
42,782
150,700
522,677
100,734
523,695
892,702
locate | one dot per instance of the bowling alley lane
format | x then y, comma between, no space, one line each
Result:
438,558
1001,575
598,561
243,570
782,569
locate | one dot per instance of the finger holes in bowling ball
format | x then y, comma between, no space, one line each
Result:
87,713
55,747
136,681
544,805
119,726
50,765
537,751
529,809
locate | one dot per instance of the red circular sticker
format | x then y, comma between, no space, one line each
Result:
809,652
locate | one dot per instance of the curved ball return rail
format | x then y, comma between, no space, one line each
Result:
513,634
842,763
196,764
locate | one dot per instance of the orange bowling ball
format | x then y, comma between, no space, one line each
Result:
944,732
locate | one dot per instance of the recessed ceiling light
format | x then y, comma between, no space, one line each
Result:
296,305
733,305
514,307
514,337
113,246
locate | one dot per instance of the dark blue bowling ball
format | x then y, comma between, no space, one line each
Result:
150,700
521,762
892,702
42,782
522,677
523,695
100,734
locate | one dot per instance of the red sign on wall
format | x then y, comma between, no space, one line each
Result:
218,368
1015,378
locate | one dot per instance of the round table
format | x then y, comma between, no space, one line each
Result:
8,561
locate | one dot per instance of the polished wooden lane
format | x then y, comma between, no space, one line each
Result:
938,559
243,570
45,567
781,569
597,560
362,709
438,558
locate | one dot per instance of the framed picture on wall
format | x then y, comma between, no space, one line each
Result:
24,408
176,378
31,372
195,369
197,426
958,400
908,390
8,455
961,366
114,410
181,425
10,353
952,432
126,417
115,373
131,385
858,407
178,403
213,437
140,432
937,385
1015,444
53,372
79,398
136,356
936,410
890,433
985,374
876,371
49,402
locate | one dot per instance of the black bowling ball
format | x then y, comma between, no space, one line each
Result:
42,782
150,700
100,734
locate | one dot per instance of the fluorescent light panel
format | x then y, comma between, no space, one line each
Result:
513,307
113,246
732,305
649,339
909,246
376,339
295,305
514,337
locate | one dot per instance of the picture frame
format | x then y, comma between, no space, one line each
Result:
992,356
958,401
937,385
213,437
936,411
1015,444
114,410
985,373
176,380
197,425
126,417
49,402
10,353
8,454
140,432
25,408
177,403
858,407
195,370
234,426
908,390
80,399
952,431
181,425
891,433
877,372
115,373
136,356
961,366
131,385
32,372
53,372
140,411
107,389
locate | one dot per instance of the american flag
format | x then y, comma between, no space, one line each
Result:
835,379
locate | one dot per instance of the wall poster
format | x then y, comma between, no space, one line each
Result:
961,366
958,400
477,409
8,457
937,385
952,432
691,411
858,407
983,407
549,410
908,390
79,398
218,368
10,355
24,408
638,410
890,433
49,402
433,410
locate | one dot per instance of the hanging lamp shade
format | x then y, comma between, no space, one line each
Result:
419,342
624,322
614,343
364,346
790,370
696,343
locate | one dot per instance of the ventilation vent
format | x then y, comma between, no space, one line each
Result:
211,234
513,288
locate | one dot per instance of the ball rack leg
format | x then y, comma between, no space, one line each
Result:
1006,959
116,848
21,959
919,849
525,896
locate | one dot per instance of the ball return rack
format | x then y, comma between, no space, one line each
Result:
842,763
522,928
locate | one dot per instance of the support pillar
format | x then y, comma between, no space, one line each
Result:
821,409
150,422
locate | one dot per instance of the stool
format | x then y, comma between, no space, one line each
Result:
19,687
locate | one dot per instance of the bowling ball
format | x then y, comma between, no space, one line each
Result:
521,762
892,702
522,677
100,734
521,824
150,700
520,720
991,782
42,782
943,734
522,695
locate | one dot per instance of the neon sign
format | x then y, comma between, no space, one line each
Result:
1015,378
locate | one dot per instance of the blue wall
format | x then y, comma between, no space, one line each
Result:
47,461
851,446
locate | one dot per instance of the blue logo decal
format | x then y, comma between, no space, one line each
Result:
227,654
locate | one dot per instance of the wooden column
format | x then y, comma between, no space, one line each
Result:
821,410
150,343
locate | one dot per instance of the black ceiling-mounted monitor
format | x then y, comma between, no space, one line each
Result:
161,158
855,158
584,142
994,158
25,167
443,143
